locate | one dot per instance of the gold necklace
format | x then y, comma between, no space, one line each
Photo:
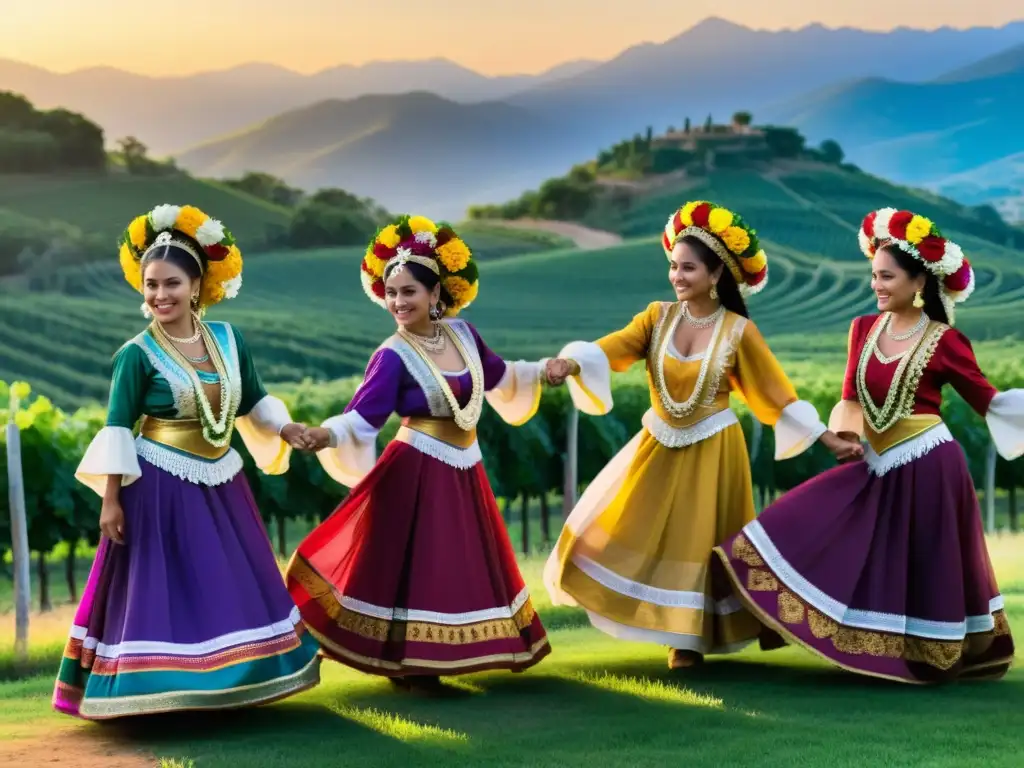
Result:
196,323
675,409
436,343
465,418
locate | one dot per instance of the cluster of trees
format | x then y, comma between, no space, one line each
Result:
32,247
524,464
36,141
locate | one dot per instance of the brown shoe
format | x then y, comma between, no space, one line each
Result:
678,659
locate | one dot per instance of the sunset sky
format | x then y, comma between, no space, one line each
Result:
309,35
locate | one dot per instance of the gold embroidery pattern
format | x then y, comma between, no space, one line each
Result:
760,580
899,400
791,610
743,550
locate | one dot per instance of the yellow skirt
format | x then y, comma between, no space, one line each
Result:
636,550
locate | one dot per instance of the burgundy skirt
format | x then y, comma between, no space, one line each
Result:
885,575
414,574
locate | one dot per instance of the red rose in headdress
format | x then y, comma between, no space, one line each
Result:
700,215
665,242
869,225
420,249
378,288
898,224
444,234
677,222
216,252
932,248
960,279
757,279
382,252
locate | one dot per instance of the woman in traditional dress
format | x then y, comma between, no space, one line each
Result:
636,550
880,566
184,607
413,576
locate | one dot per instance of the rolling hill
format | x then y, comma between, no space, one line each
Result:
414,150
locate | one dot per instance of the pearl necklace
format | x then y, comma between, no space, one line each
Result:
191,339
435,344
918,327
702,322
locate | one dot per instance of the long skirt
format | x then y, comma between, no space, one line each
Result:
414,574
190,613
636,550
885,575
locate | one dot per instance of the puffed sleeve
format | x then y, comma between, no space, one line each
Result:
590,388
760,381
112,450
260,416
848,415
512,389
353,448
1003,411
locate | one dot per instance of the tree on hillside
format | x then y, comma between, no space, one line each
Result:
267,187
334,217
784,142
32,141
709,124
80,141
831,152
686,126
650,135
16,111
742,119
134,153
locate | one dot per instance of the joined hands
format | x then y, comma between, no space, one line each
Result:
303,438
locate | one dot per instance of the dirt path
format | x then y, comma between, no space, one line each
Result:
584,237
78,748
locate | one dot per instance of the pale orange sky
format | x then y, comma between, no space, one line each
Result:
308,35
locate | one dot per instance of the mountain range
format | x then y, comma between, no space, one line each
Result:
400,130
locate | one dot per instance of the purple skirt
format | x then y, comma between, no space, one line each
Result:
190,613
885,576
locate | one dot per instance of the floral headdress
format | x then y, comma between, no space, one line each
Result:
725,233
418,240
222,276
920,238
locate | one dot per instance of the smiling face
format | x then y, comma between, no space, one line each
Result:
689,275
168,290
408,300
893,286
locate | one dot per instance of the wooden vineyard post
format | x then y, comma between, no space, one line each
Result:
19,536
990,489
571,462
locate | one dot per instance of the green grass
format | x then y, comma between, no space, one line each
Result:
594,701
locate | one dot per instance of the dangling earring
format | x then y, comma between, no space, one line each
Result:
435,313
918,301
146,312
195,301
713,294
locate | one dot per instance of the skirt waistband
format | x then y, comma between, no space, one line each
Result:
184,435
445,430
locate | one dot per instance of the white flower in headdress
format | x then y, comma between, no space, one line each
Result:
164,216
209,233
232,286
426,237
882,219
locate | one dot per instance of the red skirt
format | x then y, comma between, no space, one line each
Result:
414,574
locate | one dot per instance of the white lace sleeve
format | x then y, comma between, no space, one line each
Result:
111,452
353,449
1005,420
797,429
260,430
517,396
591,389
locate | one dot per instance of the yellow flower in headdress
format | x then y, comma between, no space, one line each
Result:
130,266
190,219
755,263
389,237
218,273
686,215
454,255
720,219
736,239
137,232
458,288
918,229
422,224
374,264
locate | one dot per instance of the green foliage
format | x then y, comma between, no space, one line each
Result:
335,217
33,141
831,152
267,187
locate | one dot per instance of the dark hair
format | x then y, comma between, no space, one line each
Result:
933,306
424,276
728,291
179,257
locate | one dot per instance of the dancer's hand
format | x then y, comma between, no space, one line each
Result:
557,370
318,438
845,447
295,435
112,521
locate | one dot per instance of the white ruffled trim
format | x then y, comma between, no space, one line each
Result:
861,619
517,395
435,617
205,648
459,458
669,639
797,429
594,376
1005,420
906,452
189,468
680,437
353,448
260,430
111,452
